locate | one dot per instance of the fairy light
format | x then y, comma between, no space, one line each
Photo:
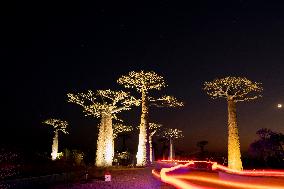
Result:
104,104
58,125
172,134
234,89
121,128
144,82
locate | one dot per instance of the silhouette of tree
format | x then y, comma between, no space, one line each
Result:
268,148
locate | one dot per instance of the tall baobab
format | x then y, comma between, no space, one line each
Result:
153,128
233,89
104,104
171,135
58,125
144,82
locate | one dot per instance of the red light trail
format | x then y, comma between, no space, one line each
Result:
185,180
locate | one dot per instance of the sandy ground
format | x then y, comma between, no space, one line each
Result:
140,178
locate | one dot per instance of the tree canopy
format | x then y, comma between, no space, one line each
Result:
233,88
57,124
142,81
103,101
172,133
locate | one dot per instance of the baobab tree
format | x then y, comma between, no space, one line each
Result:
153,129
144,82
233,89
58,125
104,104
201,145
172,134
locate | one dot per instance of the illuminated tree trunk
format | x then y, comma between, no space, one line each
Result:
105,144
143,153
153,155
171,156
54,149
234,153
151,149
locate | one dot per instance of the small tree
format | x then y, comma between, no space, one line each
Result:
233,89
268,148
171,135
58,125
153,128
144,82
201,145
104,104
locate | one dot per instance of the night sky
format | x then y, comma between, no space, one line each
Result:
48,50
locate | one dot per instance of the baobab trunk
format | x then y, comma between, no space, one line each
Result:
54,149
171,156
143,153
105,146
151,149
234,153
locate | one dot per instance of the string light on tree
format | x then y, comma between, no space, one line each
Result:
171,135
144,82
279,106
119,128
58,125
104,104
233,89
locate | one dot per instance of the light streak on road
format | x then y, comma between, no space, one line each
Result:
185,180
230,184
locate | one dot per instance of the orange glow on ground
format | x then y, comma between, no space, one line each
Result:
185,180
175,181
231,184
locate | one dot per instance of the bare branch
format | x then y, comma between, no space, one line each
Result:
153,128
103,101
120,128
172,133
57,124
165,101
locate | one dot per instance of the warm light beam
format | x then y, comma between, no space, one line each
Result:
182,181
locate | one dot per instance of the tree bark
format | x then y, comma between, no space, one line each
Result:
105,143
171,156
234,153
151,149
54,149
143,153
